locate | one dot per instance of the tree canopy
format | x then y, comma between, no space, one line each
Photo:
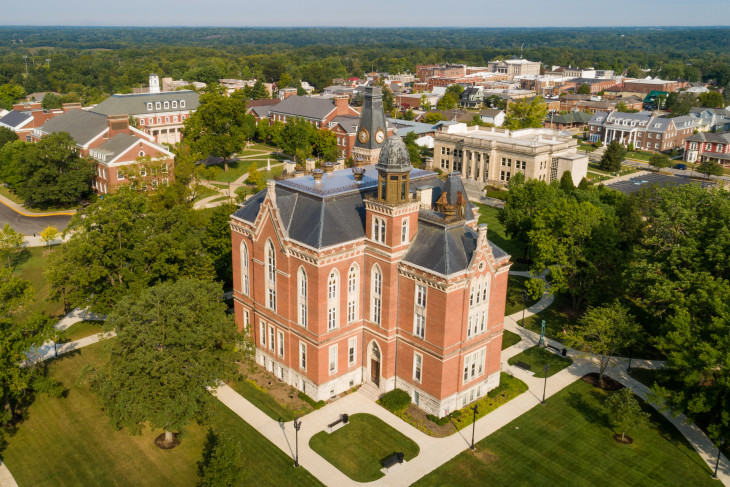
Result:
526,113
612,157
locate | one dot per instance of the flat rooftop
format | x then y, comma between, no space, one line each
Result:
524,137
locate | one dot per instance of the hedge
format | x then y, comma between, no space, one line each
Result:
395,401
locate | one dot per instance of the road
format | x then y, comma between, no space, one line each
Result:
28,225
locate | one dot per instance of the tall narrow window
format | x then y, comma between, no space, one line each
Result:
302,297
271,338
333,359
420,295
270,276
377,292
379,229
351,350
246,319
352,295
262,333
419,326
244,269
417,366
404,231
281,343
303,355
332,300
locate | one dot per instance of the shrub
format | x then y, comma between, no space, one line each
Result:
437,420
499,195
310,401
395,401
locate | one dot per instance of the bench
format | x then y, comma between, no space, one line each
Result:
560,351
392,460
523,365
344,419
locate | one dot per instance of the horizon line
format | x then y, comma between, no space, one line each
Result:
362,27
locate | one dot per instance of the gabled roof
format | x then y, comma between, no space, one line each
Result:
348,123
15,119
715,138
305,106
715,111
573,117
136,104
445,249
490,112
121,143
81,125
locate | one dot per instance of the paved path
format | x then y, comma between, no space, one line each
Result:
27,222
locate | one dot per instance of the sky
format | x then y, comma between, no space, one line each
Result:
375,13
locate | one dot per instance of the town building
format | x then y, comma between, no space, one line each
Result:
318,111
593,104
704,146
644,130
596,85
28,116
372,130
711,119
649,84
493,156
472,97
567,121
159,114
515,67
376,275
116,147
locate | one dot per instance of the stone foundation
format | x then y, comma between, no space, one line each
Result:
441,408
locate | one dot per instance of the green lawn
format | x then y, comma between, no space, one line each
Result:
236,169
565,442
204,192
30,264
496,234
358,448
515,285
69,441
263,401
509,339
558,316
639,156
537,357
82,329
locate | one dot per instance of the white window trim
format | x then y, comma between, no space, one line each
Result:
352,351
281,344
302,355
272,338
376,305
332,368
417,367
244,269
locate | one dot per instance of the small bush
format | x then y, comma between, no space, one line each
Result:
499,195
437,420
310,401
395,401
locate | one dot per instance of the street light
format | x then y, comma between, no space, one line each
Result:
631,355
297,425
544,388
717,462
475,408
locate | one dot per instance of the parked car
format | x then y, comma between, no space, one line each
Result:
682,167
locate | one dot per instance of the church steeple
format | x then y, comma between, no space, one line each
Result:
372,130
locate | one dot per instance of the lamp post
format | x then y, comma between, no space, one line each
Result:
297,425
631,355
544,387
717,462
475,408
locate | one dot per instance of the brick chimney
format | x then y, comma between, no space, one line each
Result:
71,106
118,124
341,103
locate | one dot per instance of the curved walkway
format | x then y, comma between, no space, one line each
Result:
434,452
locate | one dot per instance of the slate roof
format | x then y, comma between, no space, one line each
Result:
348,123
490,112
120,143
136,104
722,138
81,125
320,221
304,106
574,117
14,119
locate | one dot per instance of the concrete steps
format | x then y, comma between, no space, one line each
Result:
370,391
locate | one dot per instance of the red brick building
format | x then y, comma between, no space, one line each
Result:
377,275
707,146
28,116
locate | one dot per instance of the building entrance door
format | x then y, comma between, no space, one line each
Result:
375,364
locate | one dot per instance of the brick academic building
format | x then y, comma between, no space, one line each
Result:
374,274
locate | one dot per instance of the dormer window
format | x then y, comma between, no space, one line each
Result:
182,103
158,105
149,106
167,104
174,104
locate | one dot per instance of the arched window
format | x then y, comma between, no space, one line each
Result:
270,276
379,229
332,299
377,293
302,297
352,285
404,231
478,307
244,269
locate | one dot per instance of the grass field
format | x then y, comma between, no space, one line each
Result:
236,169
537,357
558,316
82,329
515,284
263,401
69,441
30,264
497,235
566,442
358,448
509,339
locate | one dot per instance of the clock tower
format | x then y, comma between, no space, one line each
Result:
372,131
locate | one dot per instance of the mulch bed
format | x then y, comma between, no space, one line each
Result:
626,440
420,421
609,384
284,394
160,442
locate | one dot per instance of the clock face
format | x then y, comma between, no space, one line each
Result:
364,136
379,136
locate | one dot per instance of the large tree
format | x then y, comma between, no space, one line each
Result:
680,275
603,331
612,157
19,372
680,104
659,161
297,138
10,242
7,136
122,245
712,99
525,113
217,242
173,342
219,127
51,173
710,168
325,145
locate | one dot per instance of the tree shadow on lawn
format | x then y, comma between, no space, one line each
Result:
591,413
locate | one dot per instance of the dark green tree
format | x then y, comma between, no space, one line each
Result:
710,168
584,89
612,157
297,138
634,71
217,242
680,104
173,342
51,101
525,113
325,145
566,182
712,99
221,465
6,136
659,161
624,412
